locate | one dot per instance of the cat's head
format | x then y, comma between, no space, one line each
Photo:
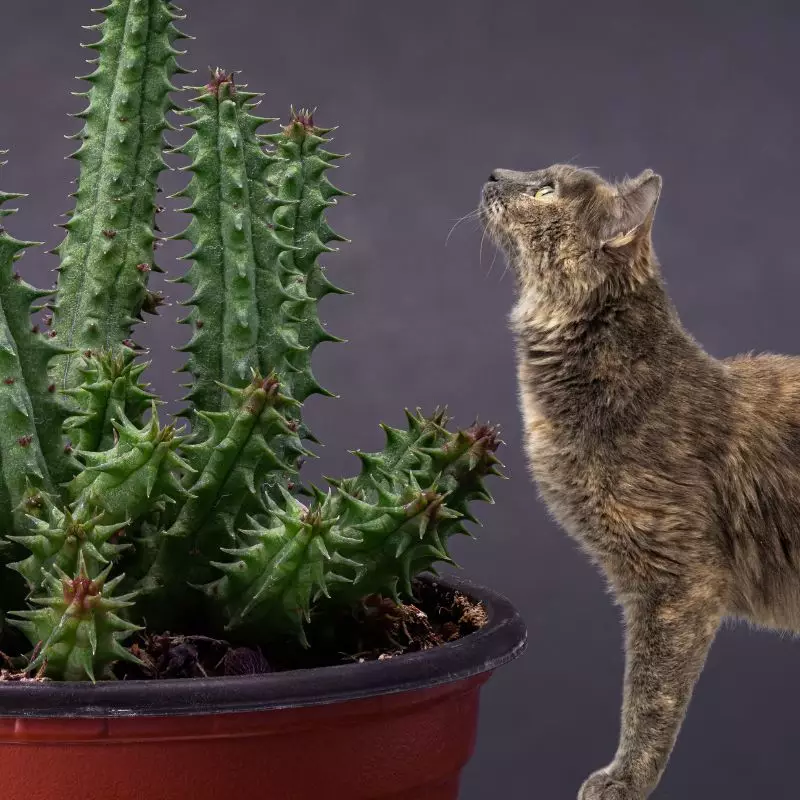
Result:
568,234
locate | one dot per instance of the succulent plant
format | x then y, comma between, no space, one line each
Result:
209,521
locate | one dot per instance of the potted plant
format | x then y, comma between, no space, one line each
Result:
178,601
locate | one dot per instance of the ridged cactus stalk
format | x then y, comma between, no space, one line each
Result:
112,518
107,254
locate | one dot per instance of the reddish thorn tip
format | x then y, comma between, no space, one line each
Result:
218,78
79,590
303,117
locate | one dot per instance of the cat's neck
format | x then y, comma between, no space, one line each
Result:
600,367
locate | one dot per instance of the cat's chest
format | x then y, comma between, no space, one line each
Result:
545,441
605,496
572,478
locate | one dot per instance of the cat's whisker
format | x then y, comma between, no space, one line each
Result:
480,249
505,270
491,266
494,258
474,214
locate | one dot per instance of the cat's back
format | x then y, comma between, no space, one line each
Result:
762,457
759,488
766,390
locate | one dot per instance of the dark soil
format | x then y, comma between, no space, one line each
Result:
376,630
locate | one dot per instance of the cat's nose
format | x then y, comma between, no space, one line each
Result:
504,175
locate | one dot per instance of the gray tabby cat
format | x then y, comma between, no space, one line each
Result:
677,472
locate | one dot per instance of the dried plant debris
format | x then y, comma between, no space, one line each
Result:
14,670
165,655
375,630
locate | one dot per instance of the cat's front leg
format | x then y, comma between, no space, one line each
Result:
668,633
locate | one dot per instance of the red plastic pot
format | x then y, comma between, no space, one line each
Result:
396,729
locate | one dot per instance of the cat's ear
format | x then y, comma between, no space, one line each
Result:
633,208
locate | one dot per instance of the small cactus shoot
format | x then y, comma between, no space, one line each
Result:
112,519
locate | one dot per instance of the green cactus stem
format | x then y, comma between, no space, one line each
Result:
108,250
134,477
77,631
225,462
222,480
257,228
308,553
110,390
230,209
60,540
31,445
271,581
303,193
371,536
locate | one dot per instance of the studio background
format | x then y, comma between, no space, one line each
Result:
430,96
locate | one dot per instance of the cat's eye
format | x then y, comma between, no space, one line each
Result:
543,191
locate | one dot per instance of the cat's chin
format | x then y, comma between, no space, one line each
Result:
492,221
491,206
488,217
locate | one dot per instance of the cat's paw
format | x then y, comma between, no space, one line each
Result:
603,786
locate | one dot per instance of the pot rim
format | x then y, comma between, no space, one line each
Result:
501,640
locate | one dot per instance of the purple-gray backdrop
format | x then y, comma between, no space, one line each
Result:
430,96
